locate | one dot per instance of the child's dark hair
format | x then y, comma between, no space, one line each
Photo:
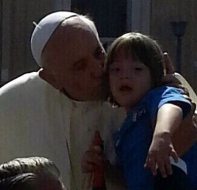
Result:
141,48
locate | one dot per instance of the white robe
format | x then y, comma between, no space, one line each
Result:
37,120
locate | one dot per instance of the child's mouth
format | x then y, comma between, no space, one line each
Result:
125,88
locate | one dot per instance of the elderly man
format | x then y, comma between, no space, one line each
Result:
54,112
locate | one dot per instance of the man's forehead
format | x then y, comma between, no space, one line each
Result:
72,48
74,39
74,32
68,32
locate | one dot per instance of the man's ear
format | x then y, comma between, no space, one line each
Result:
50,78
168,65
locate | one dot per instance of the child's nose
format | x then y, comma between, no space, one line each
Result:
125,74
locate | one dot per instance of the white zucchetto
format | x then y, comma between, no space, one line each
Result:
43,31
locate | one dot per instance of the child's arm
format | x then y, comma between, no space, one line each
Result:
169,118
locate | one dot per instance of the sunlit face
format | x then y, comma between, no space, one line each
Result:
77,59
129,80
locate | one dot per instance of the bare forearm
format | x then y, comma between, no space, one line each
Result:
168,119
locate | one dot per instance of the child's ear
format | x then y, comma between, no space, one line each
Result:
50,78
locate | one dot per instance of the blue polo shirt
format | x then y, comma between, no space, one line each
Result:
133,139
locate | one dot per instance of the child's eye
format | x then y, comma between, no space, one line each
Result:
138,69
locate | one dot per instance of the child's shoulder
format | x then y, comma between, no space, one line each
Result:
165,90
164,94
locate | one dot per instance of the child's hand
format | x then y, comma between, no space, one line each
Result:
92,158
158,156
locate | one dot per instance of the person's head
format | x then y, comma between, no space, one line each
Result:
31,181
134,65
22,172
67,47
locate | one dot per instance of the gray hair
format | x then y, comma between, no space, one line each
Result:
36,165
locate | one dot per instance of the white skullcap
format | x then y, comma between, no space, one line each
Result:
43,31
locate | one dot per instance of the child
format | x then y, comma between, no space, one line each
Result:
135,69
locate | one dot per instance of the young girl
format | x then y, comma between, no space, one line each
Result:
135,69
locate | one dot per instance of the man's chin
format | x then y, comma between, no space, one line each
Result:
101,94
95,96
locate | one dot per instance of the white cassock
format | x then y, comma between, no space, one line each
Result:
38,120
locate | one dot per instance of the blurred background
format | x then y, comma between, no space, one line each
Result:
171,22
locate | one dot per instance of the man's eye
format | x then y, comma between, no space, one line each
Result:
79,66
115,69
